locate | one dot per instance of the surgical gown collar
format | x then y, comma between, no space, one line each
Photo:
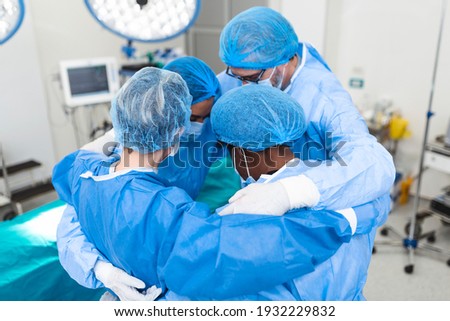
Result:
302,57
113,175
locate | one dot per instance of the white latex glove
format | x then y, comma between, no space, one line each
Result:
150,295
350,215
122,284
274,198
108,296
98,144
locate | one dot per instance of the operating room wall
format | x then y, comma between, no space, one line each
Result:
24,128
65,30
392,46
308,18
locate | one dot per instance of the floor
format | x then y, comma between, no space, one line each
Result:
39,200
31,203
430,280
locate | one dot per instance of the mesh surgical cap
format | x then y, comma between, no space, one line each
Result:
150,110
200,79
257,117
258,38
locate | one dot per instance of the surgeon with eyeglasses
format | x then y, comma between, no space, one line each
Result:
260,47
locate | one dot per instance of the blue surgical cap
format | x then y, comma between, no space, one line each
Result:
150,110
258,38
200,79
257,117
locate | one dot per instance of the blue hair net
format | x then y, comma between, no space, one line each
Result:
200,79
258,38
150,110
257,117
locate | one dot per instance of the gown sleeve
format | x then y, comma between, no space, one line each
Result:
221,257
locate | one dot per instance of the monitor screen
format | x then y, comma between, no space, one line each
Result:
89,81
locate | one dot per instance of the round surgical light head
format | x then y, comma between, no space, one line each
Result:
145,20
11,17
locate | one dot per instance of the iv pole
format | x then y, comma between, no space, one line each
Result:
410,242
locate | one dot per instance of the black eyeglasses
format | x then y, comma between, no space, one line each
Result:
252,78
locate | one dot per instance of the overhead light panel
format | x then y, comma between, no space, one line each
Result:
145,20
11,17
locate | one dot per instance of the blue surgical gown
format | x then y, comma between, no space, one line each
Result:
366,174
189,167
340,277
157,233
346,163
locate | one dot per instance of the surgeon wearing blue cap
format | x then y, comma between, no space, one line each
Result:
187,169
265,127
154,234
198,148
348,166
260,143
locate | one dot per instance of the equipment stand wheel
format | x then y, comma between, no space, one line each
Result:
431,238
409,269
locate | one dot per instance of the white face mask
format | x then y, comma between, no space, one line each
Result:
282,78
195,129
267,81
250,179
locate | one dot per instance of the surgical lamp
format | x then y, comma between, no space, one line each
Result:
144,20
11,17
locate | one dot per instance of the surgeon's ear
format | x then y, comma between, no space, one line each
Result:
167,151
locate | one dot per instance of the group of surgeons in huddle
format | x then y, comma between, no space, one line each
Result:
315,182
